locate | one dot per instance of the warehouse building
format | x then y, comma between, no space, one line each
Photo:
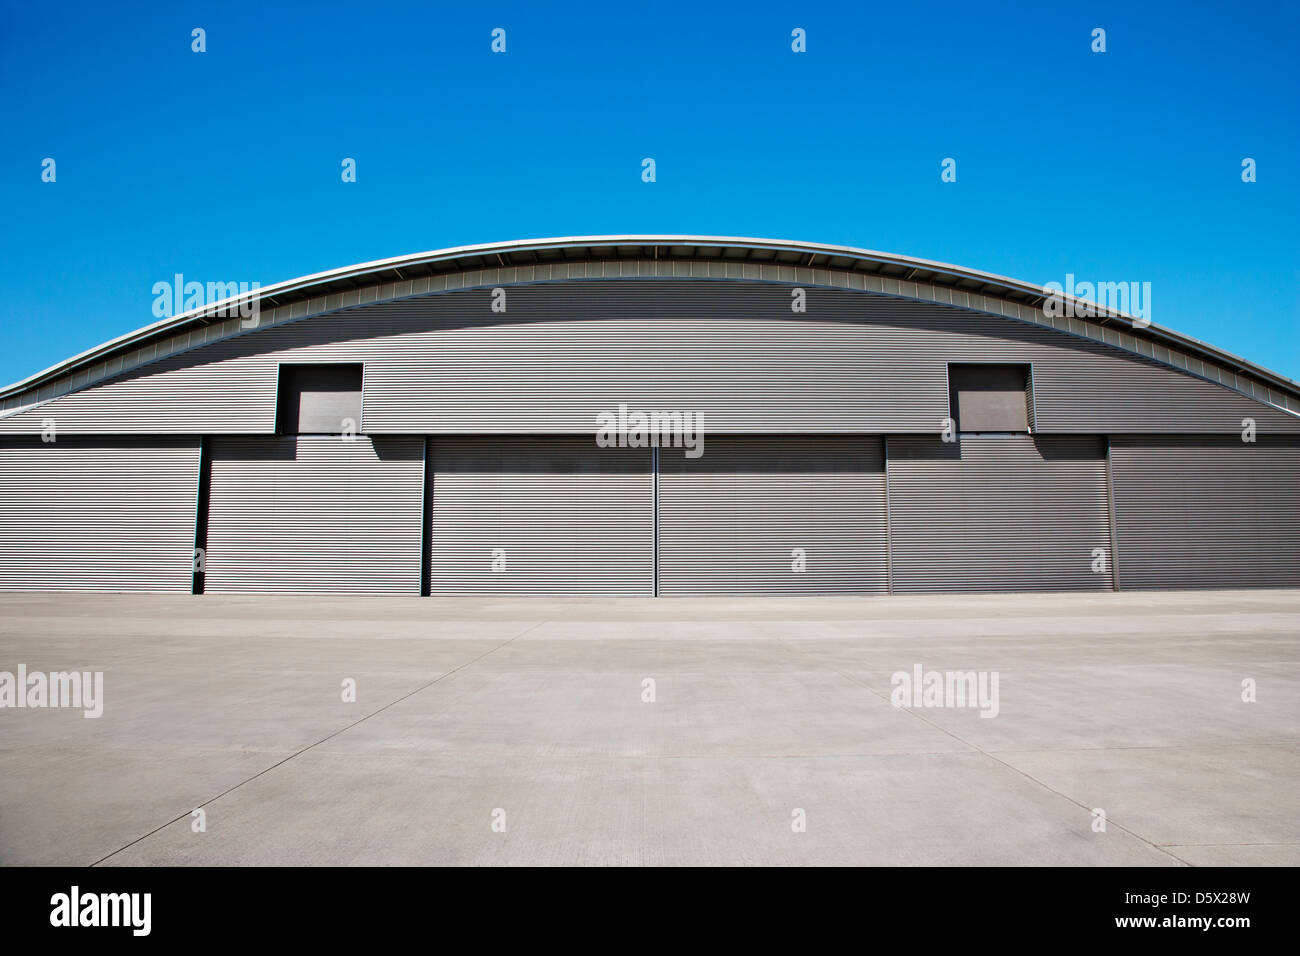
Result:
870,424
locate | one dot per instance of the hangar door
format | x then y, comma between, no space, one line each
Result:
98,515
1005,513
1207,512
773,516
314,514
540,516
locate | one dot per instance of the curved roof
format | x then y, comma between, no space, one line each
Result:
949,283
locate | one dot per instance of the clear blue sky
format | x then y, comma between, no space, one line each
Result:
225,166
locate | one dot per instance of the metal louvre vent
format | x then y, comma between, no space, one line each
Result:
543,516
98,516
315,515
734,520
1211,512
989,398
998,514
319,399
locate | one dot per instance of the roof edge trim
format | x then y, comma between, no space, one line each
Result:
611,246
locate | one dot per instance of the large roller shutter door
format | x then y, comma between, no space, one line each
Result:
747,514
998,514
541,516
1207,512
315,515
98,516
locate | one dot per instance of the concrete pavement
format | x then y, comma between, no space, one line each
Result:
533,715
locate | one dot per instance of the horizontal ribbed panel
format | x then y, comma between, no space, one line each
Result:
997,514
1207,513
570,518
210,390
854,362
730,521
326,516
98,517
315,515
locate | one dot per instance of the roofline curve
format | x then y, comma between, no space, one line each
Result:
585,248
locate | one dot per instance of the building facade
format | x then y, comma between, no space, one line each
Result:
867,424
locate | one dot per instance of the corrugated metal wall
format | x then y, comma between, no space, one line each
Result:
997,514
731,520
548,516
1209,512
855,362
315,515
98,516
322,515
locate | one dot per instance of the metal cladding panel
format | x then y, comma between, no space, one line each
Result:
315,515
854,362
998,514
103,516
213,389
1208,512
731,520
555,516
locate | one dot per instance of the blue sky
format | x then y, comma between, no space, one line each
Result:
225,165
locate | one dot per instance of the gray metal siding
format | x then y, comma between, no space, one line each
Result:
997,514
315,515
730,521
102,516
1207,513
226,388
856,362
567,516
